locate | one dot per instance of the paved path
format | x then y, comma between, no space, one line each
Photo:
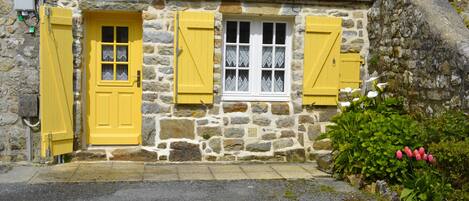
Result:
139,171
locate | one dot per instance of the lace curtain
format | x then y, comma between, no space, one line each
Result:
122,53
230,59
243,56
266,81
107,72
243,80
279,81
267,57
279,57
108,53
230,80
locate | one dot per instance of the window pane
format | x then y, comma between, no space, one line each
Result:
108,53
266,57
231,31
230,56
279,57
230,80
279,81
122,53
243,56
280,32
243,80
122,34
107,72
122,72
267,33
107,34
244,32
266,81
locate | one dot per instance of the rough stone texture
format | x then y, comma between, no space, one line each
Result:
234,132
287,134
240,120
89,155
259,147
176,128
233,144
208,131
285,122
134,154
421,48
259,107
324,160
148,131
234,107
215,145
280,108
261,120
283,143
314,131
296,155
184,151
324,144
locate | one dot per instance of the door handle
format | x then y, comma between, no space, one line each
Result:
138,79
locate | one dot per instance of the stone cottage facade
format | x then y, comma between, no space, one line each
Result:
238,123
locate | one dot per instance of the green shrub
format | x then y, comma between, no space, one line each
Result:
426,184
368,133
453,160
450,125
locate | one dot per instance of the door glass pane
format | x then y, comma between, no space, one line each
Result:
122,53
231,31
279,81
243,56
266,81
107,34
122,34
266,57
280,32
230,80
107,53
122,72
279,57
267,33
107,72
243,80
230,56
244,32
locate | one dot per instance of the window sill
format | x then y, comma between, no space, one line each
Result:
256,98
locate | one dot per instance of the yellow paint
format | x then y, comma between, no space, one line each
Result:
350,70
194,73
113,106
321,57
56,71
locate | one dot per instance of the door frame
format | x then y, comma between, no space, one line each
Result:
88,17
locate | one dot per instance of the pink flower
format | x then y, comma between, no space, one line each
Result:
422,151
416,152
408,152
431,159
418,157
399,154
425,157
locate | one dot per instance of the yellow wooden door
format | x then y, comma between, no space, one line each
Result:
114,78
321,57
56,71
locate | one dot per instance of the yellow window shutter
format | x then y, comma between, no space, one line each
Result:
56,79
349,68
194,40
321,56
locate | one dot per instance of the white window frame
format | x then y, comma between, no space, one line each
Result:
255,63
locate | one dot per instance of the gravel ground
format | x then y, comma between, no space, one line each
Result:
318,189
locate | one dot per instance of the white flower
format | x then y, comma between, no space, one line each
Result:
355,99
372,94
371,79
346,90
381,85
344,104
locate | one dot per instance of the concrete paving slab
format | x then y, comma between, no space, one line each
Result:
230,176
195,176
59,173
256,168
92,172
263,175
19,174
160,173
193,169
225,168
314,171
160,177
291,172
129,167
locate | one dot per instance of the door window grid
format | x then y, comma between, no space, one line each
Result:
278,71
237,56
114,53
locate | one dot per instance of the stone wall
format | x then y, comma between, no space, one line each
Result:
224,131
421,48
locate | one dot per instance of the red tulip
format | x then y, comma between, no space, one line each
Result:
422,151
425,157
416,152
418,157
431,159
399,154
408,152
